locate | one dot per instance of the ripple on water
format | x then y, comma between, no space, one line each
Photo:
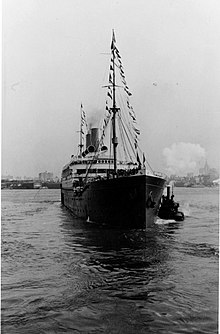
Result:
62,275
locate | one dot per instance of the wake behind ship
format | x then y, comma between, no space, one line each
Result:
109,184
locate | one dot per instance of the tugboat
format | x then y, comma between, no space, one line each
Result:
169,209
110,185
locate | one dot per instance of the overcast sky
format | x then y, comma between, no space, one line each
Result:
53,61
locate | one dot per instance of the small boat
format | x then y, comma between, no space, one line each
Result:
169,209
109,183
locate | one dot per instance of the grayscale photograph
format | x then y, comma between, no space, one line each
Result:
110,166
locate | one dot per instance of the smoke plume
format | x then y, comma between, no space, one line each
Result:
94,118
182,158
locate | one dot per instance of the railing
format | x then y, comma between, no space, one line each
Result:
159,174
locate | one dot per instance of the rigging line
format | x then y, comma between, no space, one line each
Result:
149,165
131,146
128,125
96,152
81,136
122,137
124,107
127,118
130,109
92,161
129,131
107,118
110,137
128,138
123,114
132,133
125,147
145,159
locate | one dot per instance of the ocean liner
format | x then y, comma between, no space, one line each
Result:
112,184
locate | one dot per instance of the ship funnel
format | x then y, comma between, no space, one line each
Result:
88,139
168,191
95,137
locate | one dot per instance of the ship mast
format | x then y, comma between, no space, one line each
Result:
81,131
114,109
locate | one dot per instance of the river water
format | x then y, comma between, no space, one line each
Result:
63,275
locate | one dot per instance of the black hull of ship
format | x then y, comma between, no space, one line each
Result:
126,202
